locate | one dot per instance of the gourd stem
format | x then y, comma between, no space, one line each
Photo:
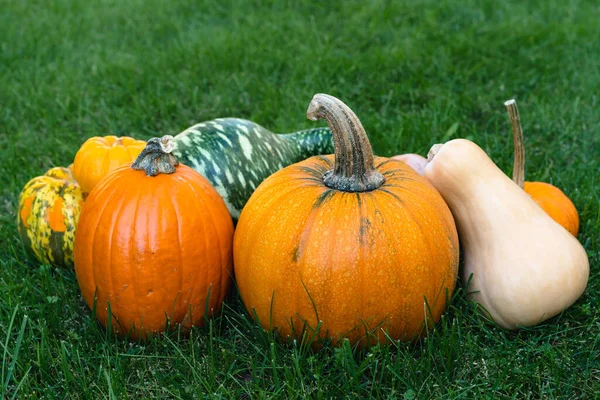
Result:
156,158
519,157
309,142
353,168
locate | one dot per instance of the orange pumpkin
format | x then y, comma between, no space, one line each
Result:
154,241
98,156
346,245
555,203
550,198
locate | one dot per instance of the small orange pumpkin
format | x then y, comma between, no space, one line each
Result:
346,245
550,198
100,155
154,241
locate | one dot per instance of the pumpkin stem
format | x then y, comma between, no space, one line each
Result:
519,157
156,158
353,168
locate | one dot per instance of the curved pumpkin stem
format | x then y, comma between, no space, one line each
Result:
156,158
353,169
519,157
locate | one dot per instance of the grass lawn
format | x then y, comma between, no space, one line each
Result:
415,72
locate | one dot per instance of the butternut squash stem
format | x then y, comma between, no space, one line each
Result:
353,169
519,156
433,151
156,158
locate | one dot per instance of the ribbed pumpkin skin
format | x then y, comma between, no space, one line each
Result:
154,247
365,258
98,156
556,204
49,208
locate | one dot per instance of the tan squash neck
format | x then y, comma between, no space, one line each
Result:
519,151
354,169
156,158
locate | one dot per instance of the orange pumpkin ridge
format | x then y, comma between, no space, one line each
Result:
349,244
550,198
25,211
55,216
154,242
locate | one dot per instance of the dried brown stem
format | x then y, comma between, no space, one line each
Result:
156,158
353,169
519,151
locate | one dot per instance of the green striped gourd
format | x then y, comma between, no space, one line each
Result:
236,155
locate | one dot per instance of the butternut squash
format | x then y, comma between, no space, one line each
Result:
523,266
415,161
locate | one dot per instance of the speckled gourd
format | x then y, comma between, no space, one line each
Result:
236,155
49,208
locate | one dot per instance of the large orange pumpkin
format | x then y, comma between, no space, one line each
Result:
100,155
346,245
550,198
155,242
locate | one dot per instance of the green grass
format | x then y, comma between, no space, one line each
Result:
415,72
